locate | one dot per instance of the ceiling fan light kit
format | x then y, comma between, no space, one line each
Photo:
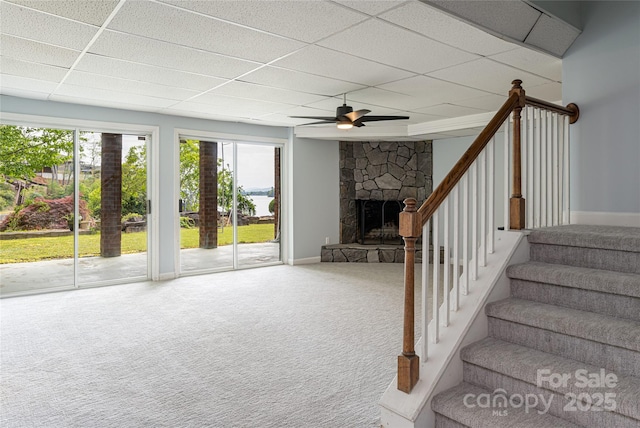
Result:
346,118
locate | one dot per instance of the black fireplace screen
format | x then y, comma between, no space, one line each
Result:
378,221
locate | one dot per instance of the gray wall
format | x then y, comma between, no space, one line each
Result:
446,153
315,189
166,205
601,73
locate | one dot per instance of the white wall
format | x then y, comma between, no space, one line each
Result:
167,206
315,194
601,73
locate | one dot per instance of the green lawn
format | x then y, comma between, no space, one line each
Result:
43,248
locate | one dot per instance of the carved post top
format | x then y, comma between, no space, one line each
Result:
518,89
410,220
410,205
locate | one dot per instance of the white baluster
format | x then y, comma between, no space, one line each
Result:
538,168
482,260
543,170
456,250
556,181
465,233
549,163
474,221
530,157
524,162
491,194
446,265
507,173
566,214
435,287
425,290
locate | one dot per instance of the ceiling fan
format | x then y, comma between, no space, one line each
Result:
346,118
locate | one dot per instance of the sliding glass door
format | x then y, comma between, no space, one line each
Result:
73,209
229,205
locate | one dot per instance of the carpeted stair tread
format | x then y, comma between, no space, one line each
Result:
522,363
450,404
617,238
592,326
626,284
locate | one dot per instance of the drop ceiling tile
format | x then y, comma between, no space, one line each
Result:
32,70
439,26
370,7
432,91
283,120
162,54
164,22
307,21
28,50
511,18
33,25
224,104
17,84
101,102
265,93
146,73
198,114
488,75
111,97
383,98
450,110
23,93
551,92
486,102
535,62
297,81
91,12
232,110
552,35
308,111
379,41
415,117
89,80
329,63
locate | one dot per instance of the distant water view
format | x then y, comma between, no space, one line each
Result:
262,204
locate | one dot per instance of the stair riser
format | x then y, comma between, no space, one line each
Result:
491,381
619,261
576,298
444,422
617,360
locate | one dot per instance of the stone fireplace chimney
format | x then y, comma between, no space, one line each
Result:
381,171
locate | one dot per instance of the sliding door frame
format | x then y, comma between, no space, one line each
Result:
182,133
153,191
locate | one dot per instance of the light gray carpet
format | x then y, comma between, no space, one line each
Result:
305,346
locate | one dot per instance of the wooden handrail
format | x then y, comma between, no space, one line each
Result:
570,110
444,188
412,220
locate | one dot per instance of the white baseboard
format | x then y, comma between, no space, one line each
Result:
306,261
166,276
605,218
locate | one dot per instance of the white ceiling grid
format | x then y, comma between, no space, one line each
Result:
261,61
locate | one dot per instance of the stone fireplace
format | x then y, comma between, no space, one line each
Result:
375,177
380,171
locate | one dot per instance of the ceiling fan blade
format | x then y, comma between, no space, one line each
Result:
327,118
358,124
317,123
379,118
355,115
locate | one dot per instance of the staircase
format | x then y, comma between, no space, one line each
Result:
564,349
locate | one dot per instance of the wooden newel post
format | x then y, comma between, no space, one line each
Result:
408,361
516,202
